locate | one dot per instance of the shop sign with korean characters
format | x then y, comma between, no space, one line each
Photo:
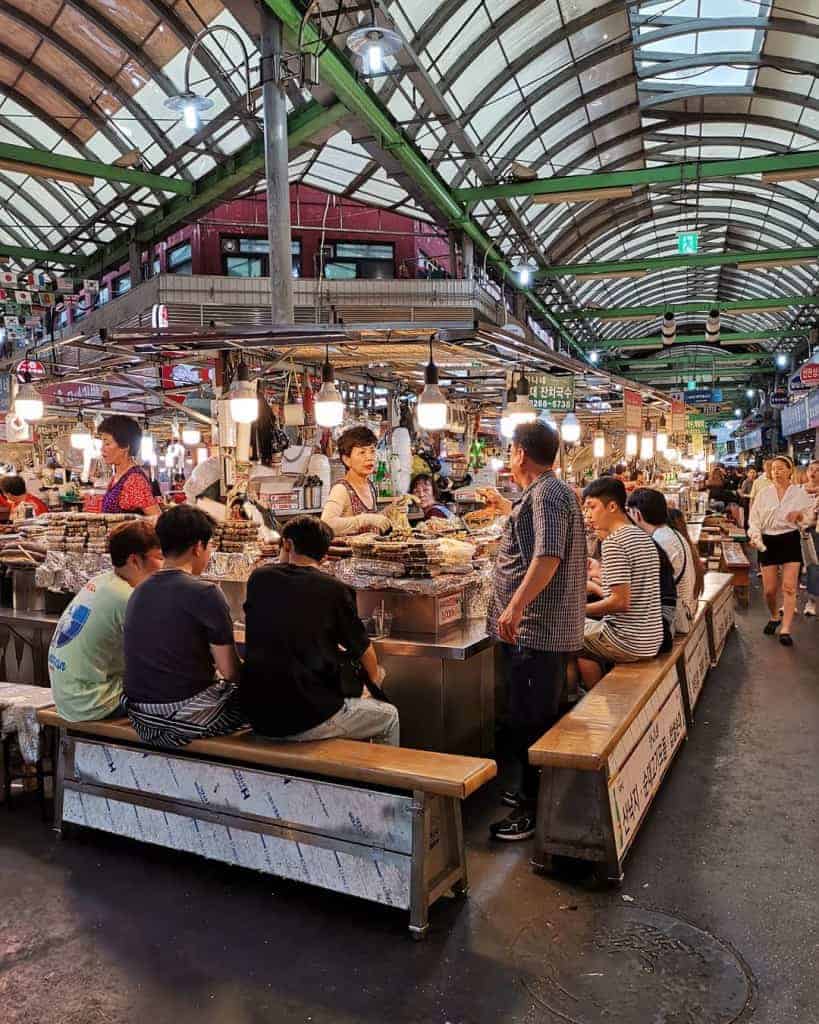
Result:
633,406
637,783
548,392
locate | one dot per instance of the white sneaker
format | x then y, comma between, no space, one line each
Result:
810,609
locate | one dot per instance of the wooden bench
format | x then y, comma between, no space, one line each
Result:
381,823
695,661
718,600
603,762
733,560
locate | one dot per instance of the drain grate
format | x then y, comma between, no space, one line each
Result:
634,966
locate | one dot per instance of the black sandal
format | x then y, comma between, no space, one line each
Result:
786,639
772,627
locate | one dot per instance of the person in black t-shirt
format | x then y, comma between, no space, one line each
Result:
177,636
299,624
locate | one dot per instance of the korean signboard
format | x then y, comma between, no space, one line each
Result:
553,393
633,406
678,417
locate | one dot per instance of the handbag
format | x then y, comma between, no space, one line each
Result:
809,555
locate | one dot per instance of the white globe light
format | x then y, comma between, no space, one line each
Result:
328,405
570,428
432,408
192,435
632,444
28,405
244,401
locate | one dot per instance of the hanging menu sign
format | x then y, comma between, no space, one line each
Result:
553,393
678,417
633,406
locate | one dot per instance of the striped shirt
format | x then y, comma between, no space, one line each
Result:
545,522
630,556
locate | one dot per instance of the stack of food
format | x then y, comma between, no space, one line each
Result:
77,532
236,535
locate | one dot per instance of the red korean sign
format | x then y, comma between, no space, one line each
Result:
633,406
678,414
809,373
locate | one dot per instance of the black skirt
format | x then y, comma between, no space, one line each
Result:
781,548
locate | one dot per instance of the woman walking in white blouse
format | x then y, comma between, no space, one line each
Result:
776,515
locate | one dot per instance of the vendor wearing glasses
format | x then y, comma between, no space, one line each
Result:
352,506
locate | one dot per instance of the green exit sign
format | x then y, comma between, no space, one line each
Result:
688,242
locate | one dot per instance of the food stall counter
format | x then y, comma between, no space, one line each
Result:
457,644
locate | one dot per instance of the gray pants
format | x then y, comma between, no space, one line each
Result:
359,719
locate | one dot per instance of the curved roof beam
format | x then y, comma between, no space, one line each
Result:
82,61
709,60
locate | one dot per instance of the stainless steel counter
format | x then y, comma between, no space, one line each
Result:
457,644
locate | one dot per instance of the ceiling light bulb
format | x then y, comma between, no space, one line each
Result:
672,454
631,444
524,276
432,404
375,57
191,116
496,464
750,393
647,448
28,405
781,360
146,447
599,444
80,435
570,428
594,357
191,435
738,413
328,406
244,401
661,443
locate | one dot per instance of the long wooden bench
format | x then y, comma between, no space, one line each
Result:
603,763
381,823
734,562
718,601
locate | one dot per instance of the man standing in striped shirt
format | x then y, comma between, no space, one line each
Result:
537,605
626,623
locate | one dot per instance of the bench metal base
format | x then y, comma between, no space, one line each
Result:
595,815
399,849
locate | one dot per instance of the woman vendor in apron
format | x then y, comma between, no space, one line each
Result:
129,490
352,506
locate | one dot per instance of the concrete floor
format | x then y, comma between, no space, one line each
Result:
99,930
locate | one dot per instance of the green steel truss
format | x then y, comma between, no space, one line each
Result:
654,263
674,173
21,252
697,306
726,338
93,169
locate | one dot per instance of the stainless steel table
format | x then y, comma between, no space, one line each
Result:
444,689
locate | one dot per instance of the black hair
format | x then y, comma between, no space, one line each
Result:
183,526
539,442
13,485
606,489
418,478
309,536
355,437
124,430
651,504
135,538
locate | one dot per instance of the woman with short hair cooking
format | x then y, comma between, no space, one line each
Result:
352,506
129,490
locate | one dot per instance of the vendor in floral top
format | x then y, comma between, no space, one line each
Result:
129,490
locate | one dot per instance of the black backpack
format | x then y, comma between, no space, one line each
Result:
668,598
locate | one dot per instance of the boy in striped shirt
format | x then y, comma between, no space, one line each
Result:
626,623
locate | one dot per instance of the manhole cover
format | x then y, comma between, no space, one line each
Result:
631,965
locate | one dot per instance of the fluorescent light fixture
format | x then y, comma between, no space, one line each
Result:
597,274
373,44
803,174
775,264
584,195
244,401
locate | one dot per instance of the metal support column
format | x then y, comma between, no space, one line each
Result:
469,257
135,263
278,186
453,255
